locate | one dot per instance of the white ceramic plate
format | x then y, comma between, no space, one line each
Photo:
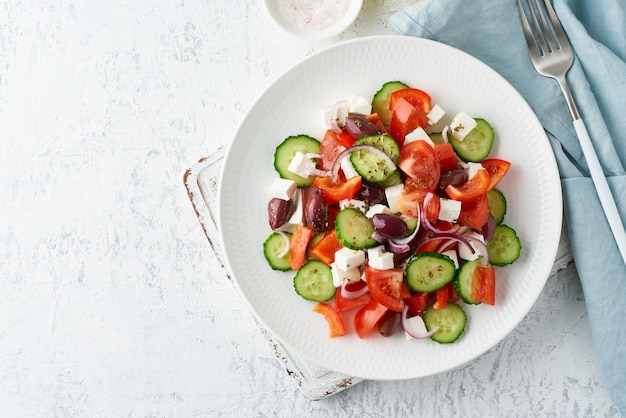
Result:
292,105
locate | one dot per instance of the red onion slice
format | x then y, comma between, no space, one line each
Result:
348,294
482,248
285,251
408,330
444,134
408,239
449,236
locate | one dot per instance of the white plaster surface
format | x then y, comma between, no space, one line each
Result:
111,302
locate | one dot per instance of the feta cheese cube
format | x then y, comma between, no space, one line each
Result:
416,325
348,169
465,252
376,209
473,169
461,125
435,115
453,257
418,134
449,210
393,193
380,259
347,259
339,275
283,188
353,203
359,104
299,165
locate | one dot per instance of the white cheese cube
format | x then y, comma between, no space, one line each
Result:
339,275
348,169
416,325
461,125
393,193
473,169
376,209
435,115
296,217
465,252
347,259
283,188
339,111
299,165
359,104
419,134
380,259
449,210
453,257
353,203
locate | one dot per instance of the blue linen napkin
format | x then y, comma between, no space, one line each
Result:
491,31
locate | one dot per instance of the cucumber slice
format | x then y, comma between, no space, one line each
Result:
314,281
383,142
429,271
505,246
436,137
393,180
463,282
272,247
497,205
451,321
476,146
354,229
287,150
380,102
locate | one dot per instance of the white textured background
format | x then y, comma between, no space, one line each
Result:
111,303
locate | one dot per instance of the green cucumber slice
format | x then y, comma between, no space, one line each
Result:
272,247
429,271
451,321
497,205
354,229
287,150
314,281
505,246
380,102
477,144
463,282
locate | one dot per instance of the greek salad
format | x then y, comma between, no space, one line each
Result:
394,216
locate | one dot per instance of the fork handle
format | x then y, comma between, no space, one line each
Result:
602,187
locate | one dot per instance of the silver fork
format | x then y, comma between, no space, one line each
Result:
552,56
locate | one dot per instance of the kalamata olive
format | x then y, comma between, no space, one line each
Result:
390,226
389,323
316,210
489,228
454,177
358,126
278,211
371,193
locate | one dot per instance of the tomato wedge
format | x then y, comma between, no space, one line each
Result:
330,148
417,303
299,243
386,287
471,189
325,249
496,169
441,298
375,118
446,156
484,285
339,191
416,97
342,304
475,213
405,118
412,195
336,327
367,317
419,161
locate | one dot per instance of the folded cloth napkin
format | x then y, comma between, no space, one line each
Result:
491,31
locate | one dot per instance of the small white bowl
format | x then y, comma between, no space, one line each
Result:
315,19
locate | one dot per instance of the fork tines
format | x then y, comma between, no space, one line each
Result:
548,35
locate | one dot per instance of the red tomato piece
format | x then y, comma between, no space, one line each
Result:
419,161
474,213
447,157
405,118
338,191
330,148
484,285
367,317
471,189
386,287
417,303
299,243
432,206
336,327
418,98
325,249
374,118
496,169
412,195
441,298
342,304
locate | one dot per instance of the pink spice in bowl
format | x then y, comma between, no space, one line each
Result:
313,19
